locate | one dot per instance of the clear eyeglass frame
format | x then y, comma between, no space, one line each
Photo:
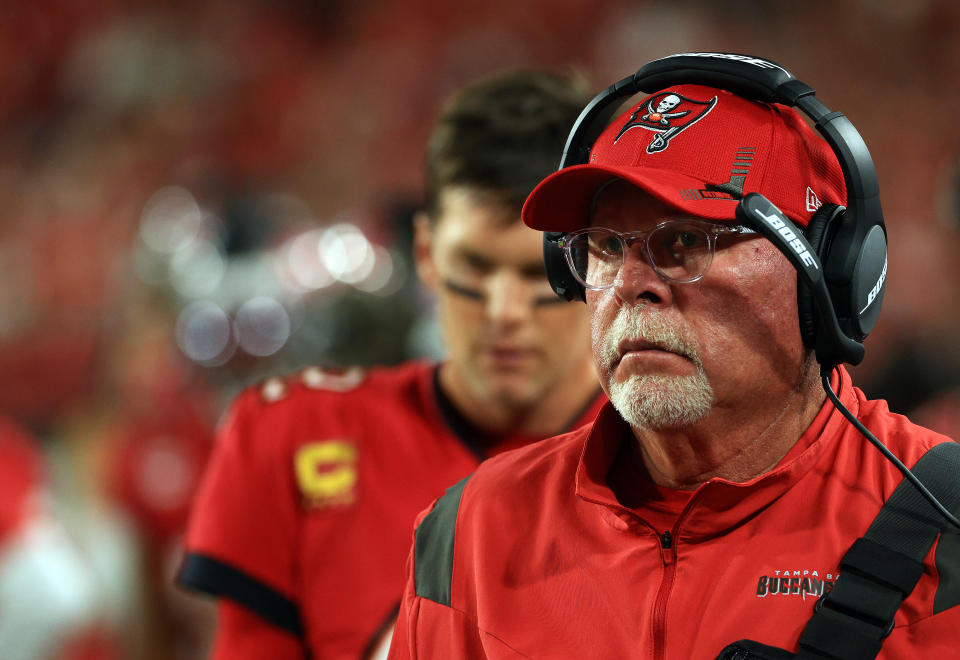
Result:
709,231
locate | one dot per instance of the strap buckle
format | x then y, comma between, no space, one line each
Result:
822,599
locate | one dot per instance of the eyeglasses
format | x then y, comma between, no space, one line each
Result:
678,251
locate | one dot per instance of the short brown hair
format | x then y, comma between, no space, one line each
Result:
503,134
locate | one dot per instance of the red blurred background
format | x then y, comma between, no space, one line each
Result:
170,170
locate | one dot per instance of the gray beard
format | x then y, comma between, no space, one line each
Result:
661,402
655,402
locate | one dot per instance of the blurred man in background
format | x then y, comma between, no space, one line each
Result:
301,525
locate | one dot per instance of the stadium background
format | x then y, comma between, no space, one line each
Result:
194,196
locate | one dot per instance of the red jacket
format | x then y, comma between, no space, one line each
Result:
545,562
304,514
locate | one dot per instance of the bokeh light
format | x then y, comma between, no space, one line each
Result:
384,279
262,326
204,333
346,253
303,261
165,474
171,220
197,269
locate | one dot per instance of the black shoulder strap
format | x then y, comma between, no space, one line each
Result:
433,547
881,569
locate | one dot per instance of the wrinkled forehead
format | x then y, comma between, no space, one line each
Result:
620,205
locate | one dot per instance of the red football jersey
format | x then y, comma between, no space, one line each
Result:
304,514
539,557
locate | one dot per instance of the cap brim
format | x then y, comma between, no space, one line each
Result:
561,202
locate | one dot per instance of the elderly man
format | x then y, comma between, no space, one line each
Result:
714,500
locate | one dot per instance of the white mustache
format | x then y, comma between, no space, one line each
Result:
634,322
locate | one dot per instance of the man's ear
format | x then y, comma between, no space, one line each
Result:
423,250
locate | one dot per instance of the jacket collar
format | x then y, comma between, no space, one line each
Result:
717,505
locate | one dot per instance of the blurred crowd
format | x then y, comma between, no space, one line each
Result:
194,196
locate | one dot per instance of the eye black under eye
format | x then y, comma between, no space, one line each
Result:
463,291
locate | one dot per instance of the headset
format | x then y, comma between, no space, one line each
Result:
841,304
840,257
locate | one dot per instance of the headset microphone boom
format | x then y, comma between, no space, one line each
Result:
757,212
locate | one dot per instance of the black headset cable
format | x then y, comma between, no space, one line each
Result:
934,502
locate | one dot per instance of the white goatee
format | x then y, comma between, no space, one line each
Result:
654,401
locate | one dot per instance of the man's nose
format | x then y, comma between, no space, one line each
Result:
509,298
638,281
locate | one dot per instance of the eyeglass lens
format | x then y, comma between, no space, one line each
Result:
677,251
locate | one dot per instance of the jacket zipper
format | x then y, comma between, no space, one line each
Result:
669,555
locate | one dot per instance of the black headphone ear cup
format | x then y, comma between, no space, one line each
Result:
558,273
817,234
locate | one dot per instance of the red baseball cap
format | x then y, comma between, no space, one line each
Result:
698,149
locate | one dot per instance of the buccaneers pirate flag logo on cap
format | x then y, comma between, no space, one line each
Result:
667,114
